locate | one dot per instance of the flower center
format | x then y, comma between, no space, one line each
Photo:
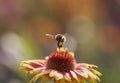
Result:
62,61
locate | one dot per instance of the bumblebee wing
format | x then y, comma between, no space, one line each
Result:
50,36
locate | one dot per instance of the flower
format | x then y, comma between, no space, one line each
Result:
61,66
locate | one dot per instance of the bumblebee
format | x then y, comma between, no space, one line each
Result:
61,39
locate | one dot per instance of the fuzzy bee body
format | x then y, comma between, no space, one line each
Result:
59,38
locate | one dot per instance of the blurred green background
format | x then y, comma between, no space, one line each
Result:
93,28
